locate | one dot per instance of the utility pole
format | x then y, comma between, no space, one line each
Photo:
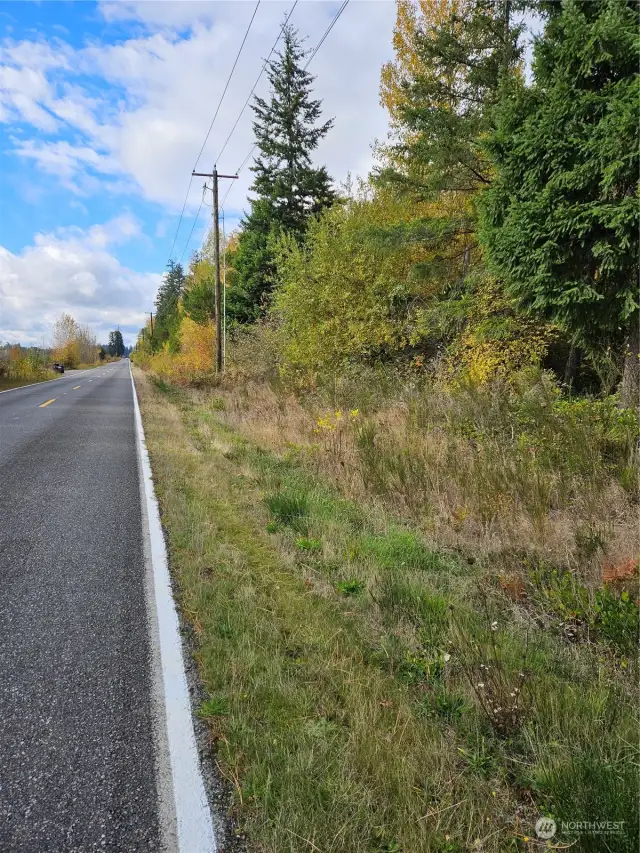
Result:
151,317
216,261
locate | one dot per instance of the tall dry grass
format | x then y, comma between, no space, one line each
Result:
493,470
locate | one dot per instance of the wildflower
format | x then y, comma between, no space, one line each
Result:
338,414
494,626
354,413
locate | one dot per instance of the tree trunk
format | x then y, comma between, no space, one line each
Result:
571,367
630,386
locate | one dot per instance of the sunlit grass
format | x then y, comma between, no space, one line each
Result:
339,653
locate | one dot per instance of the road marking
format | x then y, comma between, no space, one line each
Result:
75,388
190,807
48,403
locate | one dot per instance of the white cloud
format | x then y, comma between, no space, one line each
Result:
170,80
130,118
74,271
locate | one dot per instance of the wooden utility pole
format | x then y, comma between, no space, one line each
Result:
151,316
216,260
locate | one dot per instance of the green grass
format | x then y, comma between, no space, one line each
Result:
402,549
350,587
341,654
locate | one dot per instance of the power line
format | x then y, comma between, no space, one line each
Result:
315,50
225,195
184,205
327,31
194,225
246,103
180,220
226,85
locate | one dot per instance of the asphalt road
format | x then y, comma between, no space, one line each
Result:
77,754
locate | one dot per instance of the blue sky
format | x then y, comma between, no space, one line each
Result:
103,110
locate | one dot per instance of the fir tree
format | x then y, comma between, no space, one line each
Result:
289,188
167,320
116,343
460,58
561,217
446,102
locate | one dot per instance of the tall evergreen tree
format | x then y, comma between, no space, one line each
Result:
561,218
167,320
452,61
116,344
288,187
444,102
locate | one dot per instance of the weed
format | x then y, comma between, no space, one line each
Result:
428,667
311,545
603,615
402,549
479,757
616,619
590,542
161,385
288,509
440,703
214,707
350,587
497,680
336,708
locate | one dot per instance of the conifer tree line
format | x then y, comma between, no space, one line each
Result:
499,228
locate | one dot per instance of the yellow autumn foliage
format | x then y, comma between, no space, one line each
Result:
413,16
496,342
195,359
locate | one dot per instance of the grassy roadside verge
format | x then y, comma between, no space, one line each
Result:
368,693
9,384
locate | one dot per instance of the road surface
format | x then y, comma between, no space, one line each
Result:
81,767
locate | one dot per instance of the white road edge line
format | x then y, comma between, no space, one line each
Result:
193,818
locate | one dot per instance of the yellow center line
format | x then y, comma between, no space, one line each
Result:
48,403
75,388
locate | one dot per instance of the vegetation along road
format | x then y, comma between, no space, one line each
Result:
393,425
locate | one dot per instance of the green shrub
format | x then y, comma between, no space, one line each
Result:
603,614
